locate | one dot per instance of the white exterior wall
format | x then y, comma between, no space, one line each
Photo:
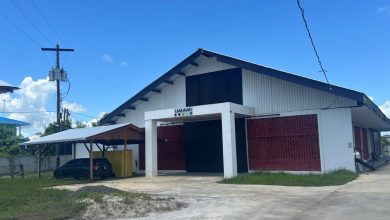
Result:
81,151
134,152
336,139
270,95
171,96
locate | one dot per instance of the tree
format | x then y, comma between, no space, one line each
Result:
98,122
385,141
9,144
80,124
10,148
52,128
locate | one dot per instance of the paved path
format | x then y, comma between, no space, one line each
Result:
368,197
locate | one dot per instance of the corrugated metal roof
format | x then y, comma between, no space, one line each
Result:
8,121
73,135
6,87
361,98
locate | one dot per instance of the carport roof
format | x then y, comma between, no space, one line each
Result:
110,134
6,87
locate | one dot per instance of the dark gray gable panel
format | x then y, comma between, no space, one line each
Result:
214,87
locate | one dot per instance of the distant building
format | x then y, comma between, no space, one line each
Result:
12,125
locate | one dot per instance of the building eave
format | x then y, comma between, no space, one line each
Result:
359,97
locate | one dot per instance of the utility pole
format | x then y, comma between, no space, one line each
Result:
58,74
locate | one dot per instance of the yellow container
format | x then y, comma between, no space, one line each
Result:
117,159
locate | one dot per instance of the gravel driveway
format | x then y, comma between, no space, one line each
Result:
367,197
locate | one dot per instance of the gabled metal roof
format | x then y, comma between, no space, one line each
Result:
361,98
8,121
6,87
82,135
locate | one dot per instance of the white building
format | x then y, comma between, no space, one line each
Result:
214,113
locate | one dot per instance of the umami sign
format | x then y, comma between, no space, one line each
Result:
183,111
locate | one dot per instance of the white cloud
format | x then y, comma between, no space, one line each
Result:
73,107
386,108
107,58
94,120
123,63
34,96
371,98
383,10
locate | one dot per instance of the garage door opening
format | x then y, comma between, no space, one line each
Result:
196,147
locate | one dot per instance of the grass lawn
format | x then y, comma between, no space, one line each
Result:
32,198
27,199
338,177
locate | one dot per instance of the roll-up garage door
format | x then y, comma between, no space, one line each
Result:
284,143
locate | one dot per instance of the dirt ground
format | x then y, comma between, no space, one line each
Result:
365,198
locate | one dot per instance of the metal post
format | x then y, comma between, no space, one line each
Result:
91,161
39,161
74,151
125,158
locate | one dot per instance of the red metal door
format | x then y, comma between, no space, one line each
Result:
365,144
358,139
170,152
284,143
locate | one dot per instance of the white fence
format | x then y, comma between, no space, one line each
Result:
30,164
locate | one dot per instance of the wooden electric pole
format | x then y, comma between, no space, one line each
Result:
57,74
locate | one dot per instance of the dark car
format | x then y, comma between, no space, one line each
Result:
79,168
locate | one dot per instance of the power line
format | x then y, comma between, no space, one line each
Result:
30,112
25,34
312,43
32,24
49,23
67,92
20,30
88,116
46,59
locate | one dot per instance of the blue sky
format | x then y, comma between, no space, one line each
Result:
121,46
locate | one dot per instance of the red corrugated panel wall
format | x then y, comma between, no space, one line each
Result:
358,139
378,143
361,141
284,143
365,144
170,153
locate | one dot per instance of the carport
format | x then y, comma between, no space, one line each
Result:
103,137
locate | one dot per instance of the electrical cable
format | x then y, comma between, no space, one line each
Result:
32,24
30,112
52,28
312,43
48,22
67,92
316,53
25,34
20,30
88,116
